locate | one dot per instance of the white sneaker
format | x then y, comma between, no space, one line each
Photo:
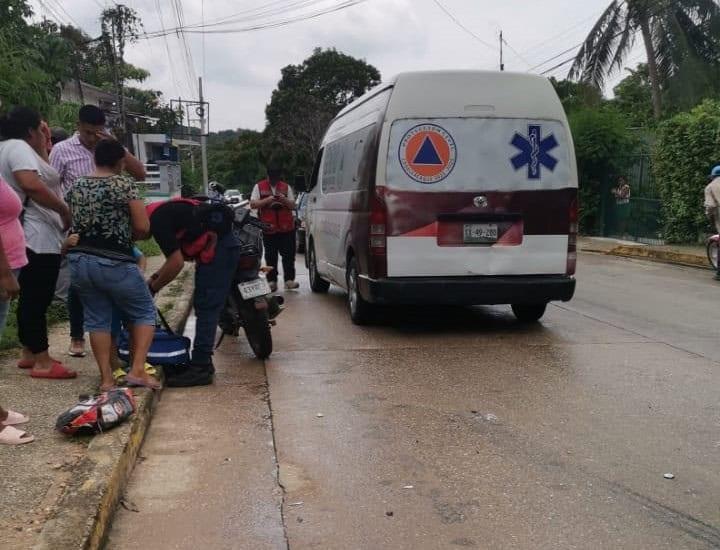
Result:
273,287
291,285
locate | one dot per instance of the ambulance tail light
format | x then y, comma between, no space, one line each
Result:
572,238
378,234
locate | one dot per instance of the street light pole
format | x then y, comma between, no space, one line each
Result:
203,138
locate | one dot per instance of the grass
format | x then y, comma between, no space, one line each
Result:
149,247
57,313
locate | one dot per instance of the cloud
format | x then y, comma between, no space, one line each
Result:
241,70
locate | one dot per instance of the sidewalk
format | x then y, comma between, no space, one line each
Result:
60,492
688,255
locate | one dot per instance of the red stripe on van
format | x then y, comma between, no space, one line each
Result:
544,212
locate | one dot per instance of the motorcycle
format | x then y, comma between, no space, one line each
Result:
250,304
712,245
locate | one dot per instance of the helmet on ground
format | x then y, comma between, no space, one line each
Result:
715,172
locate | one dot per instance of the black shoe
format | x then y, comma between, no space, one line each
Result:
717,277
185,376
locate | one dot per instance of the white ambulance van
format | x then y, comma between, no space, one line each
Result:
455,187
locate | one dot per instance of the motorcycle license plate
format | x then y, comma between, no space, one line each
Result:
253,289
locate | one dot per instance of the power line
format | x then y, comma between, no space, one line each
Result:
259,12
513,50
158,9
463,27
274,24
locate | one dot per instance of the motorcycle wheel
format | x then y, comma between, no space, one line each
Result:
257,330
712,253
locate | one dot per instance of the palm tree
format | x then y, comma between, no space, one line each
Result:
673,31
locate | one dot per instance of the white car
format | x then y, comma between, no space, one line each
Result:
233,195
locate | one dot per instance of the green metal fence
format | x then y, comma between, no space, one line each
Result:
639,216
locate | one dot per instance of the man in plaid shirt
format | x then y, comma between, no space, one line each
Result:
74,158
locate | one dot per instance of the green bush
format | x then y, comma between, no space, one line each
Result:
687,146
603,145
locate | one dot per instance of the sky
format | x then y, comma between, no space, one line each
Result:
240,70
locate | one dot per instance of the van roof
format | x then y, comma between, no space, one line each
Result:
428,94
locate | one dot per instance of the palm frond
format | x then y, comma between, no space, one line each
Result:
596,57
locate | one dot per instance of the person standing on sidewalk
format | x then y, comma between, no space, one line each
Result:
45,218
274,201
12,258
73,158
712,204
108,213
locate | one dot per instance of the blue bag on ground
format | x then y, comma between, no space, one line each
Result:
167,348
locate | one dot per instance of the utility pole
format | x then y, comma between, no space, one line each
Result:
502,64
203,138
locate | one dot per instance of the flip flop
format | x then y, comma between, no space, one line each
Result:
13,436
26,363
15,419
120,376
142,383
57,371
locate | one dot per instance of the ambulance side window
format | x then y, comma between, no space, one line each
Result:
316,170
332,167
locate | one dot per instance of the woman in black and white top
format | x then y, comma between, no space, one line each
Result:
46,217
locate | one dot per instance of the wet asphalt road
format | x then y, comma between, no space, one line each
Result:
460,428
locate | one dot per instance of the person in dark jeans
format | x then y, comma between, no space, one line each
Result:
274,201
177,225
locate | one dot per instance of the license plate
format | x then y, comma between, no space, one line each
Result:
480,232
253,289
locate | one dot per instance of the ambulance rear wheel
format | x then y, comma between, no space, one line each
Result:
317,284
529,313
361,311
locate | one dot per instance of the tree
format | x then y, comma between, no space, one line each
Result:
576,95
307,98
603,147
687,147
672,32
119,25
234,158
633,97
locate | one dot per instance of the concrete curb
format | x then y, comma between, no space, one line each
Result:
86,509
652,254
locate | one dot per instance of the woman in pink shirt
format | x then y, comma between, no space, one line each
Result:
12,258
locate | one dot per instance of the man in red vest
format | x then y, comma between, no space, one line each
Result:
274,201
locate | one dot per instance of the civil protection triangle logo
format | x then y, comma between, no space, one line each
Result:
427,153
534,152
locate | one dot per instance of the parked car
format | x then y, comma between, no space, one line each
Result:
300,211
449,187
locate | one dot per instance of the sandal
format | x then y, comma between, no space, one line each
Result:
57,371
13,436
76,353
120,376
15,419
149,369
109,387
134,382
